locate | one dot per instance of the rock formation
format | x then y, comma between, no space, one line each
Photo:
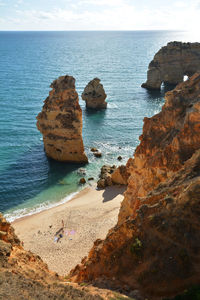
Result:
155,246
94,95
60,122
112,175
120,175
171,63
105,176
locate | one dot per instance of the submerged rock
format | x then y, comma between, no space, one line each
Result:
82,180
60,122
94,95
97,154
93,149
171,63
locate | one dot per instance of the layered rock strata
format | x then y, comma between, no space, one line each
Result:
155,246
60,122
94,95
171,63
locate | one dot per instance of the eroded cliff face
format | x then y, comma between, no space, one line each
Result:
60,122
171,63
155,246
94,95
168,140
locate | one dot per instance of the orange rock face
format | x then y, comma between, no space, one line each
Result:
94,95
60,122
171,63
155,246
120,175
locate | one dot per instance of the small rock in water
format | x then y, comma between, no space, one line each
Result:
82,180
81,171
93,149
91,178
97,154
119,157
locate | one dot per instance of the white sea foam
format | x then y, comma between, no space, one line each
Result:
25,212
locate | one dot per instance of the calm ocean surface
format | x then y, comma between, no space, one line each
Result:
29,62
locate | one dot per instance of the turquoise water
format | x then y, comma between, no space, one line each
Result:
29,62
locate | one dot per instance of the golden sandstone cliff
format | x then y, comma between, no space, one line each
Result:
94,95
111,175
60,122
155,246
171,63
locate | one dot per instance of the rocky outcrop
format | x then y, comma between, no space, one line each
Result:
105,176
120,175
60,122
171,63
94,95
111,175
155,246
168,140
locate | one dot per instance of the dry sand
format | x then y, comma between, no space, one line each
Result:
88,216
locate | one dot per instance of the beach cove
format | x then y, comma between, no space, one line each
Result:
87,217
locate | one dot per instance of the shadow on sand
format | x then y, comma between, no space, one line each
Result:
112,191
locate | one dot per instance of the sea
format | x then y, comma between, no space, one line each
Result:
29,62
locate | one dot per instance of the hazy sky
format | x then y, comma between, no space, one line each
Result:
99,14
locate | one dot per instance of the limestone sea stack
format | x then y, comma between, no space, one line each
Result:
171,63
60,122
155,246
94,95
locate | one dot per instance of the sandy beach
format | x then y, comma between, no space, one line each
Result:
88,216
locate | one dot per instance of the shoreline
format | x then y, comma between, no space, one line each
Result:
71,196
86,217
11,217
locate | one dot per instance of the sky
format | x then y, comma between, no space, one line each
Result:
100,15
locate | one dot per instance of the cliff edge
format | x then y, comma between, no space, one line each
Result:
155,246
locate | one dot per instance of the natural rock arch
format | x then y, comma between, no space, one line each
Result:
171,63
